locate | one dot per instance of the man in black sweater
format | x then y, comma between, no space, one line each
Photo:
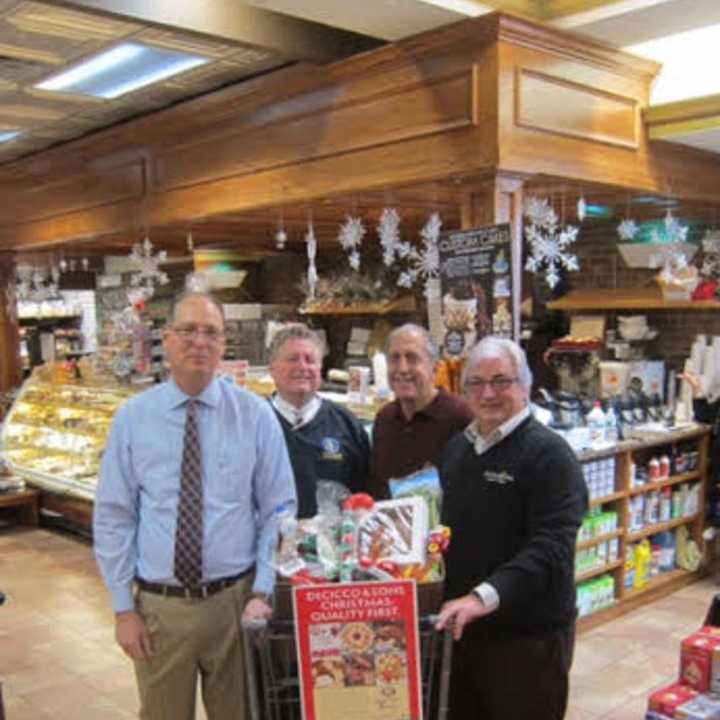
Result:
325,441
514,499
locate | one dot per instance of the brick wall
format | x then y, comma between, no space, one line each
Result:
601,266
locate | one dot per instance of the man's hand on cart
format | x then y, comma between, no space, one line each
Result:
132,635
258,608
456,614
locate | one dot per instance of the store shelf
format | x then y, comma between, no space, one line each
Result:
659,484
600,539
660,527
626,299
405,304
607,498
600,570
656,582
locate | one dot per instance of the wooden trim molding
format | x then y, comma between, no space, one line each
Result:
568,45
555,105
663,122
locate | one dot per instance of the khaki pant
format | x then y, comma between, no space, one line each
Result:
191,638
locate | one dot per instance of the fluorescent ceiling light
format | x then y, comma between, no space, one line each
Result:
6,135
121,70
463,7
686,59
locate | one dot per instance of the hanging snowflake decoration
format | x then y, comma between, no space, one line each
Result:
389,233
312,275
148,273
581,208
670,255
350,238
627,230
548,245
425,262
711,254
11,301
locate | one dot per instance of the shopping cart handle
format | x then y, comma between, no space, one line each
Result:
256,624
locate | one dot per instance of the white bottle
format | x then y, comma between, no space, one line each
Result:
611,428
595,420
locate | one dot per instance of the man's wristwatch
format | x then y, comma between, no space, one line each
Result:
478,595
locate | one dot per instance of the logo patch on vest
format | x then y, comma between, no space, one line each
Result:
331,449
499,478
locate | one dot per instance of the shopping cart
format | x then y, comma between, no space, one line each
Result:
272,671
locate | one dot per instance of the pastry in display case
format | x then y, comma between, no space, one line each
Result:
56,431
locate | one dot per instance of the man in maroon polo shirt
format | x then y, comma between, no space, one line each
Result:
412,430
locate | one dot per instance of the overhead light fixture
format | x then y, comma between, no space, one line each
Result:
7,135
472,8
683,55
120,70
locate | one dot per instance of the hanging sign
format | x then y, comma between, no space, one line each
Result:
476,286
358,651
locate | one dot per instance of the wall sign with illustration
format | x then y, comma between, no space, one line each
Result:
476,286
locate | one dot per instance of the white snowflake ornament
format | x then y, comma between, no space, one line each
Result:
312,274
581,209
389,233
148,273
425,262
627,230
548,247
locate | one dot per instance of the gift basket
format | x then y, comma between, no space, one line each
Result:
355,538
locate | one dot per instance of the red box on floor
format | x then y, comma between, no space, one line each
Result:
702,707
696,659
666,699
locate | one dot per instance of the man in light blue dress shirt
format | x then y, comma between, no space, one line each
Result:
175,634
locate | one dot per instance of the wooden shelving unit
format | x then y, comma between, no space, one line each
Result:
626,299
600,539
660,484
625,454
600,570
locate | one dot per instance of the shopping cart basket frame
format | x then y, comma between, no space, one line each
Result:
270,644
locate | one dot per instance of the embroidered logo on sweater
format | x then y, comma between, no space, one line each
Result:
331,449
500,478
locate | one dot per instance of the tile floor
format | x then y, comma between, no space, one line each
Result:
58,658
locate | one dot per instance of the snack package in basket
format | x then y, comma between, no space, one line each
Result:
394,531
424,483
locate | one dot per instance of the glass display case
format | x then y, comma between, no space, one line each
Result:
56,431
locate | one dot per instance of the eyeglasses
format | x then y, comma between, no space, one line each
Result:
496,384
210,334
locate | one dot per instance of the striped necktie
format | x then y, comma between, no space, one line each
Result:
189,530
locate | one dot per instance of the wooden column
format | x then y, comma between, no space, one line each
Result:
491,201
10,371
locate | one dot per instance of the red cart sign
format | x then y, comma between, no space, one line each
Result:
358,651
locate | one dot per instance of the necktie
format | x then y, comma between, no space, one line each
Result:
298,419
188,534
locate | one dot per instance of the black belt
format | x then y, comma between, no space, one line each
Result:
199,591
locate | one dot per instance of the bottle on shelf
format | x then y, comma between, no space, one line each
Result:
611,425
595,420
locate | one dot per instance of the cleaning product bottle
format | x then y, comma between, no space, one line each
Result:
595,420
611,425
642,563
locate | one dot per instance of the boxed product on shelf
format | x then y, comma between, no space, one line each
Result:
595,594
599,477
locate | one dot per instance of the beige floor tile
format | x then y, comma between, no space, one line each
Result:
59,660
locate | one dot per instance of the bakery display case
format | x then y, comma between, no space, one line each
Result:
56,431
